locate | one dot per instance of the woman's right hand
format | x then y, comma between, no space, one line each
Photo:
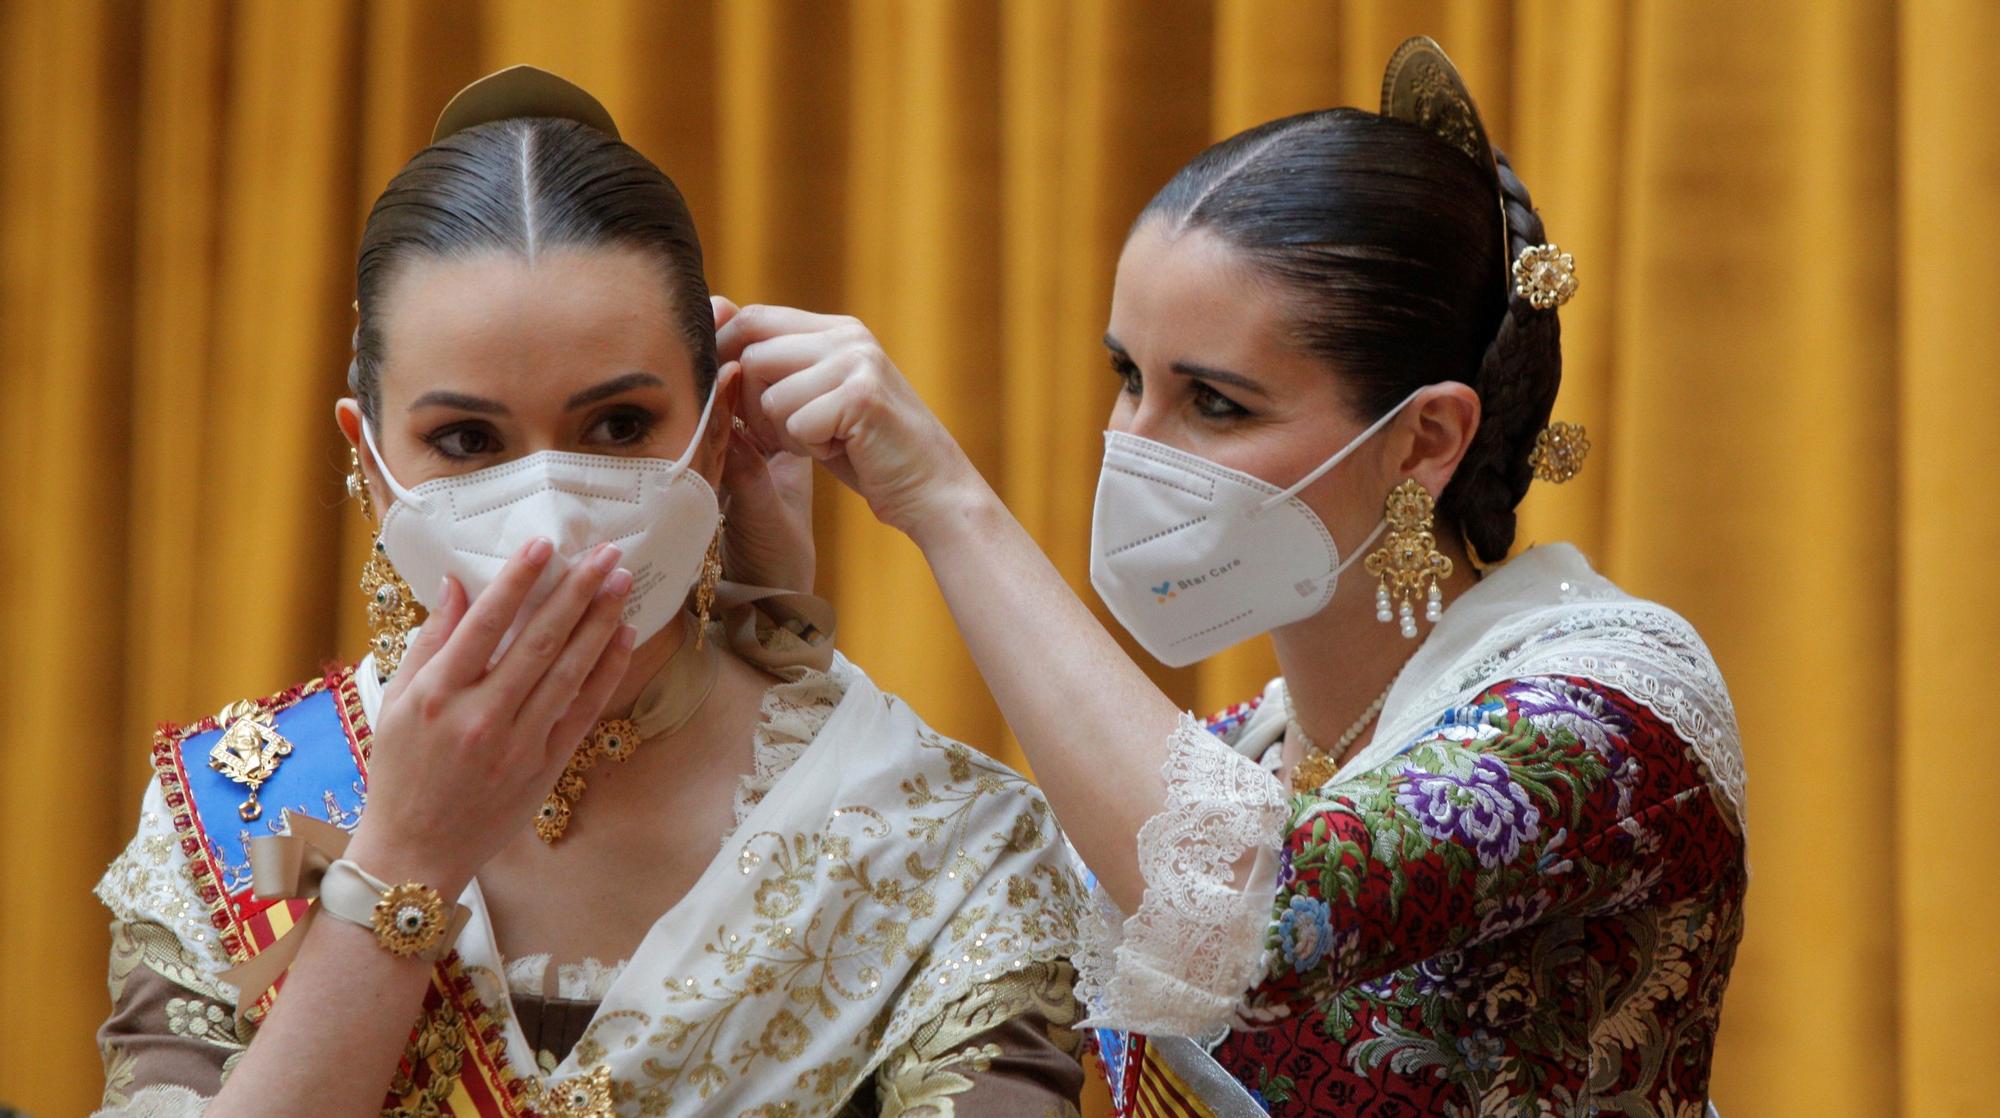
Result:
821,385
467,746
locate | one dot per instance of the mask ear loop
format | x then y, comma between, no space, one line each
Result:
700,428
1340,455
1381,526
395,487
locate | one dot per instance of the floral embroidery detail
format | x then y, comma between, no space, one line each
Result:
836,910
1531,910
1484,809
1304,929
928,1075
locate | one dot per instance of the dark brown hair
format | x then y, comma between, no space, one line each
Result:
527,185
1389,241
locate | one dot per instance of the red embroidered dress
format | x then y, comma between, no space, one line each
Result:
1528,905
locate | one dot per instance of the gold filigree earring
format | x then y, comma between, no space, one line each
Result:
1408,558
392,609
704,590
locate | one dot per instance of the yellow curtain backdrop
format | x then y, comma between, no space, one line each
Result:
1785,216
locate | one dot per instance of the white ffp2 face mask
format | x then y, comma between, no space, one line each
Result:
1192,557
660,514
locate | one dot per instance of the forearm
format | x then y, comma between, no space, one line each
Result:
1092,724
331,1042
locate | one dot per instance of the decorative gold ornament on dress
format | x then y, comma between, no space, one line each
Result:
392,609
1545,276
1559,452
249,751
1408,558
584,1096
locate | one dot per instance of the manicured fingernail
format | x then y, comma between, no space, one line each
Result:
606,558
626,637
539,550
618,581
444,589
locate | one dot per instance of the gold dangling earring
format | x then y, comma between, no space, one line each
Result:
392,609
1408,558
711,573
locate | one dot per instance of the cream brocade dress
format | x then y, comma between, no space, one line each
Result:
1004,1047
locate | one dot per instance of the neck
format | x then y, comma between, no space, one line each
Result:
1341,659
647,660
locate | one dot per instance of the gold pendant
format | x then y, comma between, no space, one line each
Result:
249,751
1312,771
614,739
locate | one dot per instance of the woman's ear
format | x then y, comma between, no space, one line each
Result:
714,449
1441,423
347,416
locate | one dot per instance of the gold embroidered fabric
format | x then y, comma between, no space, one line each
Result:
171,1021
1005,1048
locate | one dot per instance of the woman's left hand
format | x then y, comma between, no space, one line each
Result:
820,385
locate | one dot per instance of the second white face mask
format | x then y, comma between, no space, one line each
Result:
660,514
1192,557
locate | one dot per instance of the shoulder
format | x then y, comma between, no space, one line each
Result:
945,787
221,780
1573,738
301,749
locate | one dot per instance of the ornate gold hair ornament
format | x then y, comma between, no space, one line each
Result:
1420,86
1545,276
522,91
1560,449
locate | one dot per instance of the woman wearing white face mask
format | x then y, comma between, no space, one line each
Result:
1495,867
634,839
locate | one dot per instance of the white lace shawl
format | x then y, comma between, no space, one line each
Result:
1182,963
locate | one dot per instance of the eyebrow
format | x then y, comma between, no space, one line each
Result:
1191,369
613,387
446,398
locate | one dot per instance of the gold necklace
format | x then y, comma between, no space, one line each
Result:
665,705
1318,766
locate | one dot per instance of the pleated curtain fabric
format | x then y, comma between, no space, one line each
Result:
1784,215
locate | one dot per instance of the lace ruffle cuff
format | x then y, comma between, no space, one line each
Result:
1181,964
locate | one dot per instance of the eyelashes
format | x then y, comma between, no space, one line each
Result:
615,428
451,441
1208,402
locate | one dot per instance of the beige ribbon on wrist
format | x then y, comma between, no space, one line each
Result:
292,866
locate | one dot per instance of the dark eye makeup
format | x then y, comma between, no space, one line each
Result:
623,425
462,440
1208,401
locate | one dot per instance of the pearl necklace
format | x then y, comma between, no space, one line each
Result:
1318,765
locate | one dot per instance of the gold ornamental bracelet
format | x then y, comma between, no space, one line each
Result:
407,919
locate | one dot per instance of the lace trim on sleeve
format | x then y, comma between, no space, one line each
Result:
1182,963
161,1100
789,718
149,882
